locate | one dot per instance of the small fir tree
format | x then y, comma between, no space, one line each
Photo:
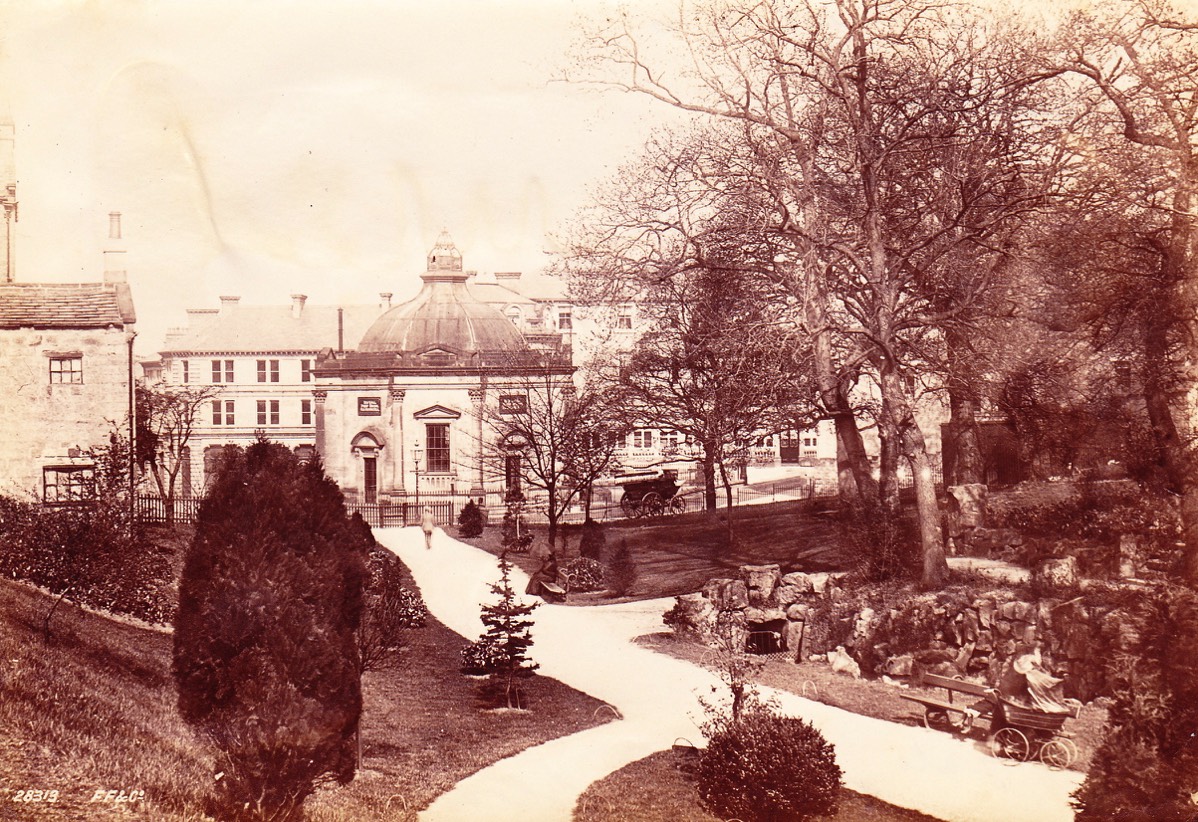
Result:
470,520
620,572
507,638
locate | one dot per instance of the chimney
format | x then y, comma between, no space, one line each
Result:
8,199
384,300
114,255
297,304
509,276
340,330
228,305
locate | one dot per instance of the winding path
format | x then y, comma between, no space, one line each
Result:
591,649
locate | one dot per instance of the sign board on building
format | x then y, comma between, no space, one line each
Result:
370,407
513,404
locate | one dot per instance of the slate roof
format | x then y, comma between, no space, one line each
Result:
65,305
270,328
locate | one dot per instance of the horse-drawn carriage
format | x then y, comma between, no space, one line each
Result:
651,494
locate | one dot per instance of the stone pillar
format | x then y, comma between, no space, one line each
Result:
395,459
321,437
478,401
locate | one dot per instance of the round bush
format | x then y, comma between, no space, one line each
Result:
470,520
768,768
584,574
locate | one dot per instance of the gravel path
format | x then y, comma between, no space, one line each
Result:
591,649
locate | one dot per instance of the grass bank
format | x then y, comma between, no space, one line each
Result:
94,710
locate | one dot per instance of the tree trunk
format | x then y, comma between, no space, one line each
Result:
898,409
888,460
727,484
1156,401
1183,259
967,463
709,500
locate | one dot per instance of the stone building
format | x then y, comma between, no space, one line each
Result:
404,413
66,357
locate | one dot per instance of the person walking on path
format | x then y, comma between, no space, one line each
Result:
427,525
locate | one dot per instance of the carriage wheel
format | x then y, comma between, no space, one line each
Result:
628,507
652,504
1056,754
1010,743
677,505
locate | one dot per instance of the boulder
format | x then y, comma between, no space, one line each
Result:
1059,572
786,595
760,615
761,580
968,506
798,612
795,636
696,611
899,665
726,594
1130,558
799,580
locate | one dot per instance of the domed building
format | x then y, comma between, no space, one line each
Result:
406,413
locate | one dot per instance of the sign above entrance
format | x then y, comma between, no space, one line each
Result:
370,407
513,404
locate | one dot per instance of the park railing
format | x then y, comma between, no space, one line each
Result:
156,510
388,514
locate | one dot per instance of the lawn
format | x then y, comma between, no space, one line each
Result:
677,554
95,709
660,788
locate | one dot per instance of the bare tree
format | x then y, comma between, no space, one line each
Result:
166,418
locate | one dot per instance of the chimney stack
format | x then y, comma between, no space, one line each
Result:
509,276
228,305
114,255
297,304
384,300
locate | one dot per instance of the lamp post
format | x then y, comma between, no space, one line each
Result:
417,453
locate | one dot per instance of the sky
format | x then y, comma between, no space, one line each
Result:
263,149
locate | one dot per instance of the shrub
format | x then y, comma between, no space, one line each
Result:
765,767
265,649
470,520
884,545
391,609
1147,766
620,571
583,574
592,541
514,533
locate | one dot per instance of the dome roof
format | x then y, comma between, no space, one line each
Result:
443,315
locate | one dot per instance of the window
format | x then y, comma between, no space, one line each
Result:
305,371
68,483
624,317
222,412
222,371
565,320
67,369
513,314
511,472
268,368
642,438
186,371
437,445
268,412
669,440
305,412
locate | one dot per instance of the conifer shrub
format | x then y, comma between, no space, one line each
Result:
1146,769
470,520
391,609
265,650
502,650
764,767
620,570
583,574
592,541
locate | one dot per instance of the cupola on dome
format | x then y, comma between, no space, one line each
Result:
444,315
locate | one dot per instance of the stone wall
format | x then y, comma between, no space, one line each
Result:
900,634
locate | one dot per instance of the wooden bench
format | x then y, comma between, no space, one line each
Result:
947,714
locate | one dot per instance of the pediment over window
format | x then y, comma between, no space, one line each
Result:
437,412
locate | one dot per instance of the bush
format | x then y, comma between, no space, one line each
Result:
391,609
593,540
265,648
621,570
583,574
1147,766
502,650
470,520
765,767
